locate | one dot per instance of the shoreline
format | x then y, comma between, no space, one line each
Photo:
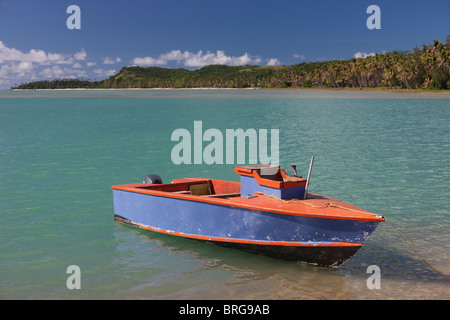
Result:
388,90
226,93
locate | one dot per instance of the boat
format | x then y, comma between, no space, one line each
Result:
267,212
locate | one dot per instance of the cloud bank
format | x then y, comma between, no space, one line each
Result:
17,66
200,59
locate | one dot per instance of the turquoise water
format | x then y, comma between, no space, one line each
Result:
61,151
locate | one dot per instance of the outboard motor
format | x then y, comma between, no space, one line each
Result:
153,179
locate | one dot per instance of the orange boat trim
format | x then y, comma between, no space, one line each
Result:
247,241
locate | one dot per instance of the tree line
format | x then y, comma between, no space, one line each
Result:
58,84
427,68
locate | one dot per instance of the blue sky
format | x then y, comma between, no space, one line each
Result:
36,44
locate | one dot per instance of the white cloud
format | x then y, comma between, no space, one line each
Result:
299,56
52,72
199,59
16,70
35,56
109,60
18,66
273,62
104,73
90,64
55,72
80,55
174,55
363,54
24,66
149,61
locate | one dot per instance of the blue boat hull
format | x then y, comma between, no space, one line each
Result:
321,241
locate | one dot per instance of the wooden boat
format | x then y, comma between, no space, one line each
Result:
267,212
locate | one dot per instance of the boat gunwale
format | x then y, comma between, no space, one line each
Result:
143,188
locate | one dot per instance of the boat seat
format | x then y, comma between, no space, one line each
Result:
275,177
268,172
201,189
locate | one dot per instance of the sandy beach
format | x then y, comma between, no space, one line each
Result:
217,93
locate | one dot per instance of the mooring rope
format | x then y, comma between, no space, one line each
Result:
331,204
326,205
418,255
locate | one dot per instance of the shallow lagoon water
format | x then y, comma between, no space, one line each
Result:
60,152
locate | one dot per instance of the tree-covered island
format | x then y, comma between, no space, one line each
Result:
424,68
